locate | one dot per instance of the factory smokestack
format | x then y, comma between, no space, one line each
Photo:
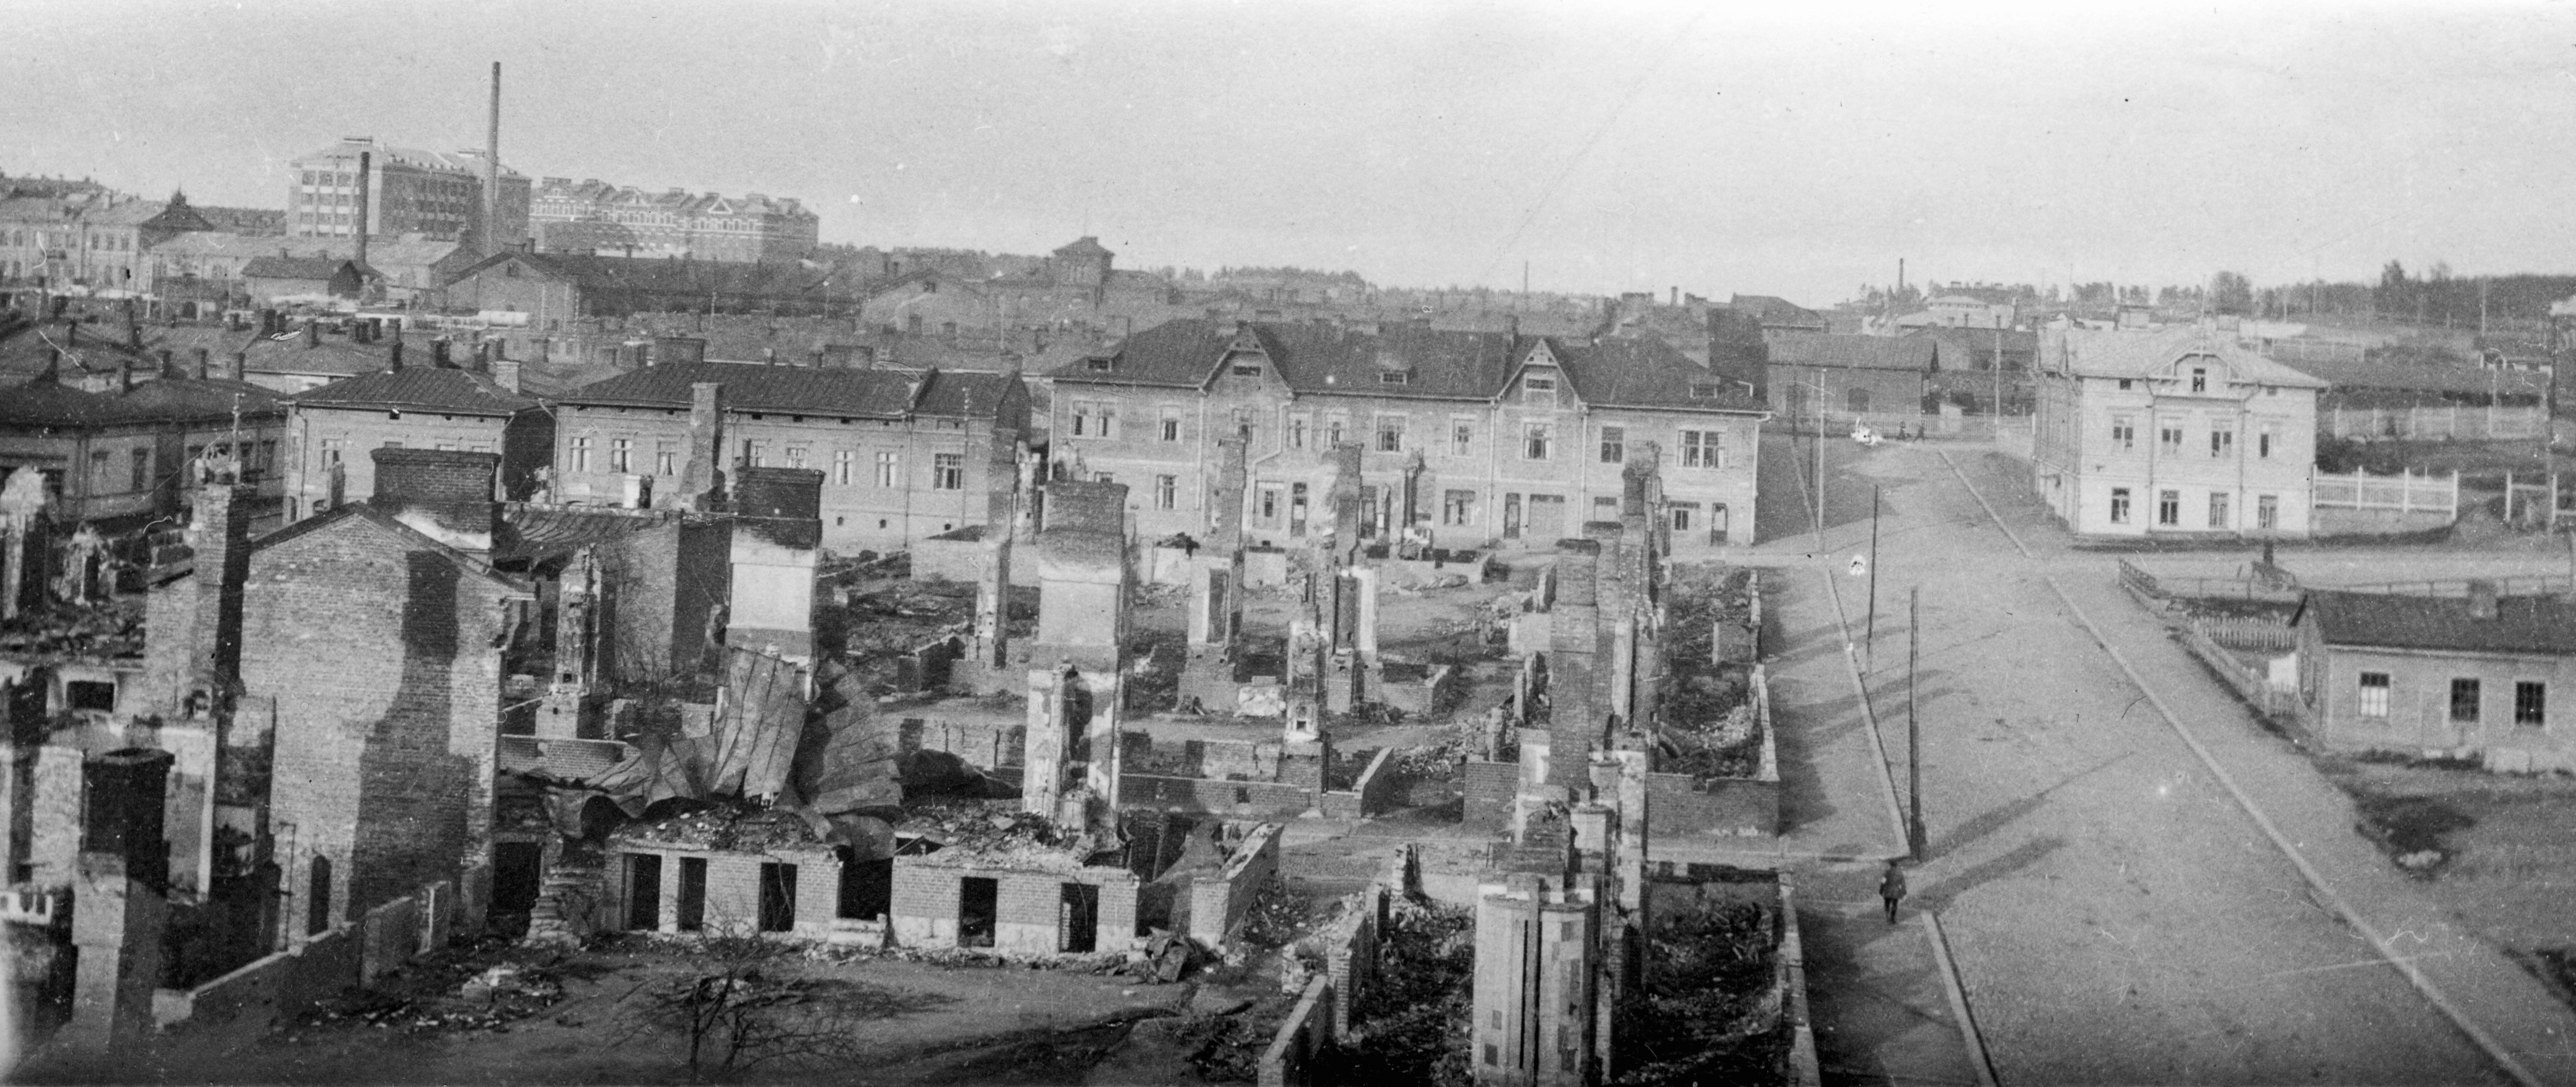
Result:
492,171
366,160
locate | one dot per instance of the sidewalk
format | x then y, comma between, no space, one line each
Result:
1876,992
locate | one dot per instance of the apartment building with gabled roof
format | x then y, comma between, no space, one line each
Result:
1466,437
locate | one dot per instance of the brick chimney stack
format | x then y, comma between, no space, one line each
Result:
2482,599
394,356
366,160
702,478
505,373
221,537
121,885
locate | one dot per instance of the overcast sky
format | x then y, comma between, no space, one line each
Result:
1794,148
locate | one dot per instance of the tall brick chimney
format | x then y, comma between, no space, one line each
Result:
221,537
702,478
123,806
123,878
393,356
2482,599
239,365
777,542
366,160
505,373
444,493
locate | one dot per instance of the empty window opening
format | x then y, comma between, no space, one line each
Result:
644,891
90,695
693,894
1078,918
978,901
867,888
777,897
317,904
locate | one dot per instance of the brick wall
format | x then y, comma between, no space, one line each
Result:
1490,787
1244,798
1028,907
1218,902
981,745
379,653
1307,1031
1350,955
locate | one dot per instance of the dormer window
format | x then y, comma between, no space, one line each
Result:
1244,369
2124,384
1394,377
1703,392
2199,380
1538,390
1100,366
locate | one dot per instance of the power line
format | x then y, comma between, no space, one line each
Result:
1562,172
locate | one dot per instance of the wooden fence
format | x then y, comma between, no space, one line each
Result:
2250,634
2405,492
2435,423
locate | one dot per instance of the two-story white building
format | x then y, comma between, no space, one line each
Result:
2174,432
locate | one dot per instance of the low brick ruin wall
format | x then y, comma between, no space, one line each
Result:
1216,796
1028,907
1290,1060
1369,794
268,991
1219,902
982,745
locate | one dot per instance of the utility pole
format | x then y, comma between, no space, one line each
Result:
1913,733
1820,468
1869,636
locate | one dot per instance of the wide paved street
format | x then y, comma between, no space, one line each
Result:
2115,915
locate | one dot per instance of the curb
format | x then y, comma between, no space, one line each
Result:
1869,713
1958,1000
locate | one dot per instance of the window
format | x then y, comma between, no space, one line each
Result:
1462,438
1296,432
796,456
1093,419
693,894
1855,400
666,459
1538,390
101,476
889,471
845,466
1246,370
330,452
2374,694
1681,515
1268,505
2124,384
755,452
580,454
2217,510
644,891
1394,377
1700,449
1457,507
142,468
1534,440
317,898
2169,508
2464,701
1614,445
777,897
948,471
2530,703
621,454
1171,425
2169,435
1167,492
1099,365
2124,431
2119,505
2222,442
1390,434
2267,512
2199,380
1334,426
2263,441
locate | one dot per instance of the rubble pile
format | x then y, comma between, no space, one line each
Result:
991,834
1709,729
1705,1000
734,827
98,631
481,989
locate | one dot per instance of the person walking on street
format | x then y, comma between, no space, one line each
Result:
1891,889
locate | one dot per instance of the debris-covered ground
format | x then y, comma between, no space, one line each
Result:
1700,1014
100,631
1412,1027
1707,717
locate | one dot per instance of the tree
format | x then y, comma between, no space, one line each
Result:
738,1002
2231,293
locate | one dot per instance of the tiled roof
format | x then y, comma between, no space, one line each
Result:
1772,310
198,400
300,268
2363,374
48,403
2149,354
423,387
875,394
1322,359
259,221
2522,624
1084,246
1913,353
663,276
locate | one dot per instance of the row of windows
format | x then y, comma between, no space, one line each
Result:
884,469
1698,448
261,458
2267,510
2170,437
65,239
2467,703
